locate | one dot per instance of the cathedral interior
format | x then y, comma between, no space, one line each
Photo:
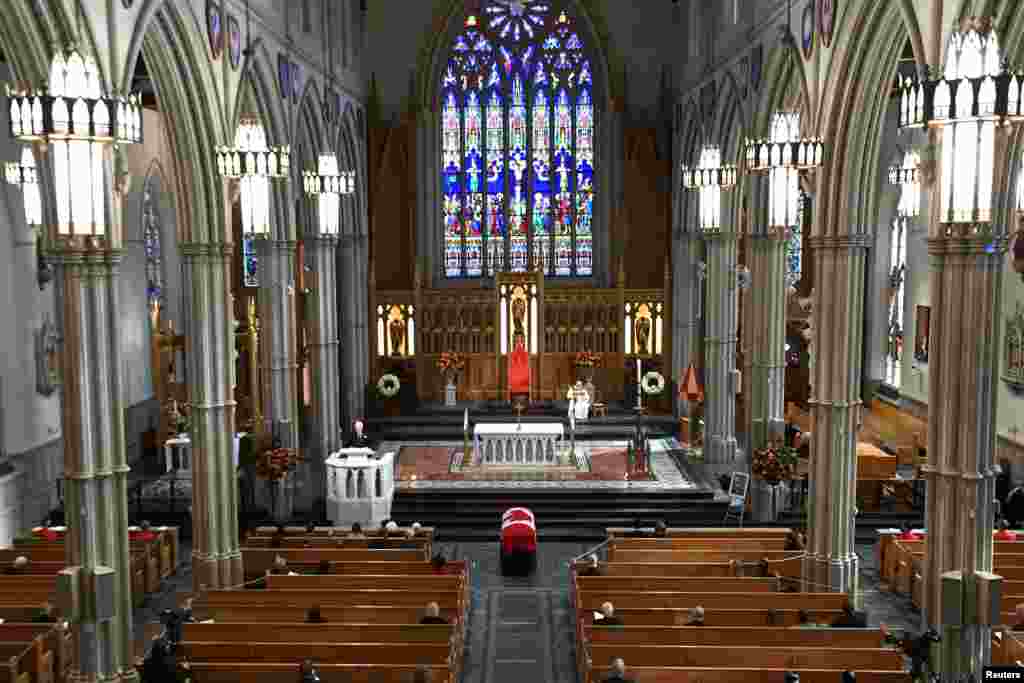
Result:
468,340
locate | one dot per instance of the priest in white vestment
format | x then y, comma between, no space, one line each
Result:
579,401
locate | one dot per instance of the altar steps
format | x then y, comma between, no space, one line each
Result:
474,514
449,426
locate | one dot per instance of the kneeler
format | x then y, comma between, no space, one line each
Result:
519,373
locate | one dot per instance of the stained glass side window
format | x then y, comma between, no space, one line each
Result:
153,247
250,262
517,107
896,289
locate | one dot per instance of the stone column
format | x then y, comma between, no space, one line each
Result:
765,338
216,558
323,358
277,302
720,352
95,467
347,285
686,309
839,261
360,296
966,296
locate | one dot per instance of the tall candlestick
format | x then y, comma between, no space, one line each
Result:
638,371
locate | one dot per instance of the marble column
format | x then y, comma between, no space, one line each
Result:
95,466
350,406
323,358
720,350
216,558
686,308
277,304
966,294
839,261
360,296
764,334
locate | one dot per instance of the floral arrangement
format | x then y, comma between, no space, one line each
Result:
388,385
274,464
587,359
774,463
653,383
451,362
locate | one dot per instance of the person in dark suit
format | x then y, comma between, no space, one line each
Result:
849,677
47,615
850,618
794,540
590,568
423,674
324,567
309,672
695,617
791,677
433,615
618,672
660,529
313,615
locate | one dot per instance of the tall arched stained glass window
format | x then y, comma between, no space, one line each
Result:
517,144
153,246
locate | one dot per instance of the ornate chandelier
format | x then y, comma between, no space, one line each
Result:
709,177
326,185
782,156
255,163
79,124
974,96
906,176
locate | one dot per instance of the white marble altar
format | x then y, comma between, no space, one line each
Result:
518,444
360,487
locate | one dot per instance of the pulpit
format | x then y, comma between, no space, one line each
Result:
360,487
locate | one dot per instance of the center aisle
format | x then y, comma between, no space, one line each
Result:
520,629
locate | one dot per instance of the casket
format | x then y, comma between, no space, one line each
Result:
518,539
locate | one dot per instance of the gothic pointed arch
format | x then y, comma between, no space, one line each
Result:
513,180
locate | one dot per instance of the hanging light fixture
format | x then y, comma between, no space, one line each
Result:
906,177
709,177
782,156
975,94
78,123
254,163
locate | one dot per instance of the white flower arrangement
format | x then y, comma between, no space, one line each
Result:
653,383
388,385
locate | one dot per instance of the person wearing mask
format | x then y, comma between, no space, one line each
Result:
607,616
391,529
309,672
313,615
660,529
695,617
591,567
432,615
19,566
439,564
356,531
794,540
848,677
791,677
617,672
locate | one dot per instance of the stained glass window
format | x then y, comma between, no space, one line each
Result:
897,280
250,262
517,144
153,247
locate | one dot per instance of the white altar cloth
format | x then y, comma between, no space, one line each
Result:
518,444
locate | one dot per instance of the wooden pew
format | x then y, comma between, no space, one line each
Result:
791,567
712,532
812,657
593,600
750,617
623,584
321,652
697,555
258,560
338,542
25,662
422,583
261,672
283,632
427,531
755,636
374,568
651,674
334,614
40,568
323,598
701,542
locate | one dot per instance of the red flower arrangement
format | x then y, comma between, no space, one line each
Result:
450,362
774,463
274,464
587,359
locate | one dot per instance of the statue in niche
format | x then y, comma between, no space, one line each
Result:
519,317
47,358
396,328
643,336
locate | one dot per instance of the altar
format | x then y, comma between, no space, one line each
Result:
518,444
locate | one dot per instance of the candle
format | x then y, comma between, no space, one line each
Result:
359,429
638,371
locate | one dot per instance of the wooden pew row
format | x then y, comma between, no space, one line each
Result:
619,584
334,614
165,548
791,567
261,672
812,657
422,583
321,652
759,636
332,531
323,598
283,632
651,674
55,641
339,542
25,662
592,600
145,569
697,555
374,568
902,570
714,532
702,542
40,568
258,560
750,617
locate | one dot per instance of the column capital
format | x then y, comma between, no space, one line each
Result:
718,235
767,234
325,241
206,249
347,241
848,241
